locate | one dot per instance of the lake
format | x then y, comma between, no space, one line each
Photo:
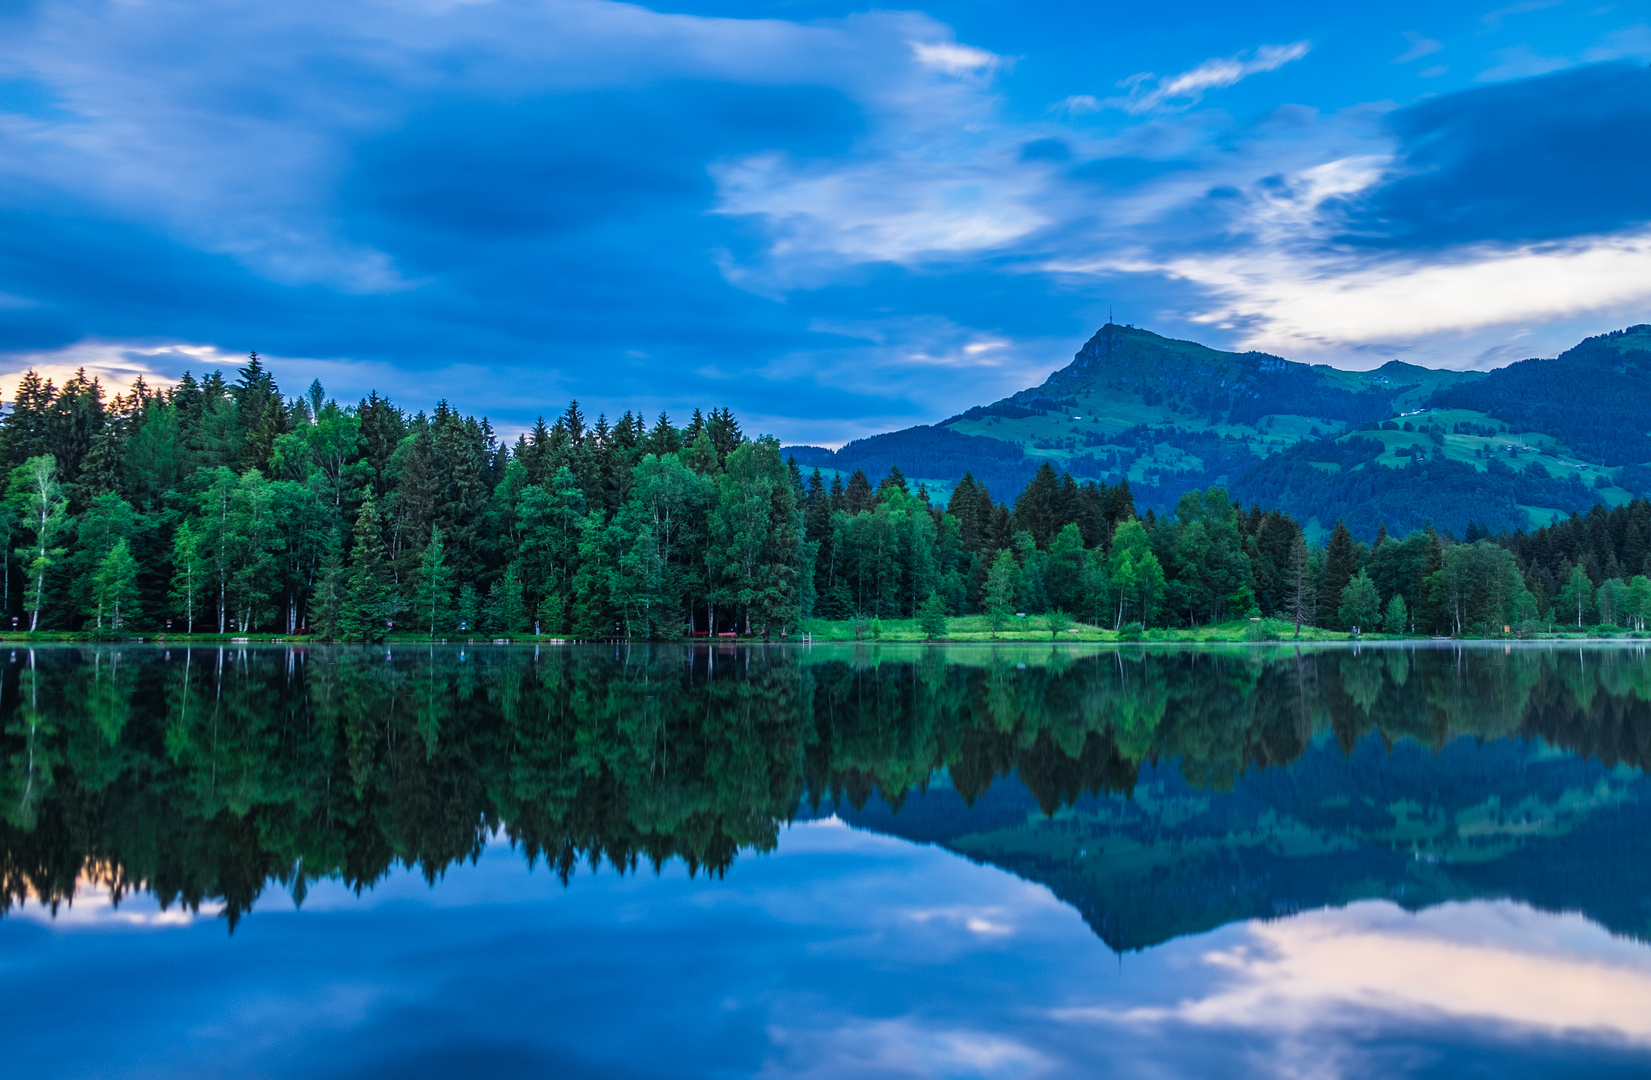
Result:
866,861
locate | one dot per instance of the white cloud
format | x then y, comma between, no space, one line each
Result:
1314,304
1148,92
1488,962
954,59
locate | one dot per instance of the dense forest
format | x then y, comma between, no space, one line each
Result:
227,507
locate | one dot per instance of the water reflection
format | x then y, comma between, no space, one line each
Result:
1159,792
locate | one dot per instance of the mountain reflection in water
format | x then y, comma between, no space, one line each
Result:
1159,792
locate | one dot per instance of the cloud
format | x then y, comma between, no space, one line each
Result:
1300,303
1148,92
1539,159
954,59
1499,963
1492,20
1419,47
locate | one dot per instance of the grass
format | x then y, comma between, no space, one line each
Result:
960,629
1036,628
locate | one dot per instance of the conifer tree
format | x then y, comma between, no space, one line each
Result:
434,595
506,613
368,599
327,609
931,616
470,608
1340,562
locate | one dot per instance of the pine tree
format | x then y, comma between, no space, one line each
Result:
327,608
470,607
434,596
368,597
506,613
931,616
1341,562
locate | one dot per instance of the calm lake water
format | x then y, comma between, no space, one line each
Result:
862,862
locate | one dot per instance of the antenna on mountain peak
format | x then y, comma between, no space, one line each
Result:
1109,314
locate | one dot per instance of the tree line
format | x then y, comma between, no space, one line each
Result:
228,507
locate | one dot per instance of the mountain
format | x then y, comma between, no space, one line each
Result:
1415,825
1399,445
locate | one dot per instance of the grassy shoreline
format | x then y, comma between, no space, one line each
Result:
959,630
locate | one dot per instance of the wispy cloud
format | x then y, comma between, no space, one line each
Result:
1419,47
1148,92
1492,20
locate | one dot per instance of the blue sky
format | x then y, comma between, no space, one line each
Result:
836,220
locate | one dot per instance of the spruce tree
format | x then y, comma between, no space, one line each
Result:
327,606
1341,562
434,596
932,617
368,597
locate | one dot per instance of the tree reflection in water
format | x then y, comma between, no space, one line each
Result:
1210,783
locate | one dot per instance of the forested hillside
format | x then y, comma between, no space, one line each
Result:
1174,416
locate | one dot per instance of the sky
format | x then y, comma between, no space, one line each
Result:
836,220
841,954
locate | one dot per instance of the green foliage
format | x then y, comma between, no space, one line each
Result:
369,603
1576,597
115,588
433,600
469,608
1397,620
506,613
932,617
327,608
1000,590
1059,622
42,510
245,512
1361,604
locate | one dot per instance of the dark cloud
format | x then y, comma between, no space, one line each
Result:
1537,159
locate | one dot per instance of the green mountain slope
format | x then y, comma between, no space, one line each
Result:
1399,445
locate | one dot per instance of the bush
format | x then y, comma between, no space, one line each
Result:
1130,632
